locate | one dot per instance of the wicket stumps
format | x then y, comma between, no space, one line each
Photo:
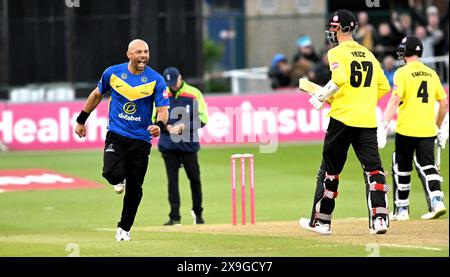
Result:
242,157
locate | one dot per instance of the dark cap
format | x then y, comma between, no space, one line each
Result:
171,75
410,46
345,19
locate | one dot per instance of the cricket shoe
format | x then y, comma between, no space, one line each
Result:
120,187
321,228
402,214
198,219
172,222
379,226
122,235
438,209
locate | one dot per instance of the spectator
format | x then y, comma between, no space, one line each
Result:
435,24
436,33
305,50
406,24
428,42
401,26
365,34
304,60
423,17
320,74
389,69
279,72
386,42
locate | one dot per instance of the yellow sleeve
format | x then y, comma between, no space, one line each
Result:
440,92
154,113
383,83
399,85
337,68
202,109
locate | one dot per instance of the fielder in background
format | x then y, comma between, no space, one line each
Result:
356,84
135,88
180,144
416,90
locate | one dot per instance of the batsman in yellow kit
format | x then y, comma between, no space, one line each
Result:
356,84
417,88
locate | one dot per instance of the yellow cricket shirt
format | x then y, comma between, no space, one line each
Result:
418,87
361,83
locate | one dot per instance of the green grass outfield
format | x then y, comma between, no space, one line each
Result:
49,223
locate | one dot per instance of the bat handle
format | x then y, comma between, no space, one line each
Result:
438,157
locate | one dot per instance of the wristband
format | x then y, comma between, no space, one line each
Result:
82,117
161,126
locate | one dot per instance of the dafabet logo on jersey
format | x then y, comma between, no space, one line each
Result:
40,179
129,108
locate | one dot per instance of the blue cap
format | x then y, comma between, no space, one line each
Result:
171,75
278,58
304,41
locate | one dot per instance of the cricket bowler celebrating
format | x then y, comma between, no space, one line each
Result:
416,90
134,88
356,84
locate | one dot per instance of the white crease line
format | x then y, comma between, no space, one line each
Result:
337,245
411,246
104,229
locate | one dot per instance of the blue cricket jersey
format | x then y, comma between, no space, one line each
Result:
132,98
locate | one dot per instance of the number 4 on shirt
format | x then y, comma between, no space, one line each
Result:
423,92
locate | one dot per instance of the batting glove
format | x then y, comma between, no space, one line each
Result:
442,137
382,134
315,102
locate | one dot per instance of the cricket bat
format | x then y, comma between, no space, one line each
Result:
307,86
438,158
